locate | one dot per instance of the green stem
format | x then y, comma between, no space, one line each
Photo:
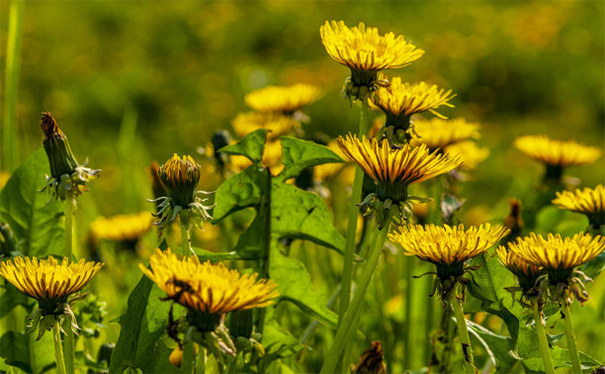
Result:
201,360
541,332
69,341
186,240
188,362
347,328
571,341
11,78
265,212
407,324
469,363
59,359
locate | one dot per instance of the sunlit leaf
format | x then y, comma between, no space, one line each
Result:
21,350
241,191
251,146
298,155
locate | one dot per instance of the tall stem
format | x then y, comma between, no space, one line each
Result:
469,363
59,359
186,240
69,341
549,367
409,297
11,85
201,360
188,362
571,341
349,256
347,328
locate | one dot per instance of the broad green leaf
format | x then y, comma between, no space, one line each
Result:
594,267
560,358
298,214
205,255
251,243
489,285
241,191
11,297
498,345
139,344
298,155
251,146
36,223
294,285
16,347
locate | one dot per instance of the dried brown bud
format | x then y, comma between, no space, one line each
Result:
371,361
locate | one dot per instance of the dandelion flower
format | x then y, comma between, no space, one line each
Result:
394,168
556,154
122,227
207,288
280,99
526,273
447,247
589,201
469,152
52,284
366,52
439,133
277,124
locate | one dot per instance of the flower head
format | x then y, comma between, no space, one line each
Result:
66,175
526,273
280,99
448,247
122,227
559,257
469,152
394,168
588,201
180,178
208,288
51,283
366,52
439,133
277,124
556,154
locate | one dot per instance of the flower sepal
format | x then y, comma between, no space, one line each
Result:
44,318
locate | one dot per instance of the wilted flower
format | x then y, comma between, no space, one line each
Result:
589,201
559,257
66,175
180,178
366,52
448,248
282,99
53,285
440,133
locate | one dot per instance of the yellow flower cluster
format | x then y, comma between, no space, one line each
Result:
439,133
122,227
587,201
282,99
555,152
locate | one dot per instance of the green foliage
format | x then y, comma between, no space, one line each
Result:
36,222
251,146
298,155
139,345
15,349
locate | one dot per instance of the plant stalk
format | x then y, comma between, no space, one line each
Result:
347,328
571,340
186,240
188,362
59,358
544,350
469,363
10,151
201,360
69,341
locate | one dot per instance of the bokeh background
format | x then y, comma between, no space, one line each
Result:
135,81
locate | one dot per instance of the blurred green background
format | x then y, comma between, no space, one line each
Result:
176,71
135,81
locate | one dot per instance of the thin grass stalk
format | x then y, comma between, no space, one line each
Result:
264,261
571,340
549,367
188,362
348,327
69,341
59,358
347,272
186,240
467,350
409,295
10,144
201,360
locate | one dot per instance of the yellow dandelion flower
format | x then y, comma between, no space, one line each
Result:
400,100
122,227
48,281
469,152
208,288
394,168
282,99
558,254
526,273
556,153
588,201
361,48
439,133
447,245
277,124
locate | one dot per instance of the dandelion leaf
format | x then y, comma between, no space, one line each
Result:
298,155
35,222
241,191
251,146
16,352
